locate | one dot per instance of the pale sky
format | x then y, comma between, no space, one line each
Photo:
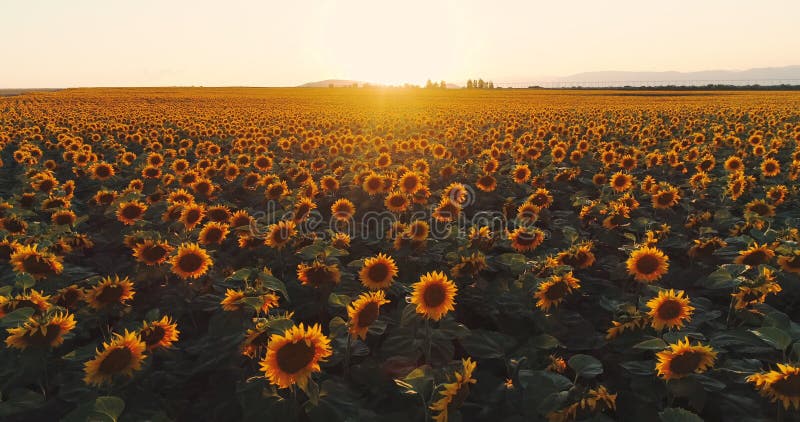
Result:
66,43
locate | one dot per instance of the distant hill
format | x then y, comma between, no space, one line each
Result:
327,82
758,75
338,83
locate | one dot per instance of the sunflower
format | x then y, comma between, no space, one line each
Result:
33,299
434,294
759,208
396,202
470,266
755,255
292,357
526,239
219,213
63,218
69,297
669,309
343,210
704,248
447,210
682,359
528,213
782,385
410,182
578,257
552,291
318,274
480,237
378,272
233,300
152,252
647,264
621,182
129,212
770,167
340,240
486,183
28,259
364,311
191,215
666,198
452,395
521,173
302,209
542,198
120,356
790,263
190,261
7,248
110,291
41,332
256,340
280,233
159,334
213,233
373,184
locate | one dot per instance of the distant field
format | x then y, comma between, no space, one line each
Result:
347,254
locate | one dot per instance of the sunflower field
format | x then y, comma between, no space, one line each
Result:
399,255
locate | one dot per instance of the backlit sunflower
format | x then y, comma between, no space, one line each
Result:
770,167
782,385
159,334
542,198
364,311
378,272
28,259
110,291
33,299
152,252
410,182
340,240
790,263
647,264
292,357
213,233
669,309
453,394
343,210
526,239
233,300
190,261
486,183
191,215
69,297
621,182
280,233
41,332
682,359
755,255
122,355
521,173
578,257
666,198
396,202
130,212
554,290
318,274
434,295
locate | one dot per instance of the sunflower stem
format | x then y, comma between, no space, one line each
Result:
427,340
347,357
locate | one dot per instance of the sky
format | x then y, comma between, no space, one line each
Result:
289,42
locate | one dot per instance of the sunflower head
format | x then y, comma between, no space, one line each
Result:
110,291
364,311
434,295
190,261
293,356
682,359
669,309
318,274
647,264
781,385
378,272
159,334
122,355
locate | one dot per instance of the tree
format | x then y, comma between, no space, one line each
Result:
442,84
469,84
491,85
481,84
429,84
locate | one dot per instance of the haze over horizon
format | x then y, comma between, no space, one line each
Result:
147,43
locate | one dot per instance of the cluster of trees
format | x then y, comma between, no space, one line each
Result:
431,84
479,84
